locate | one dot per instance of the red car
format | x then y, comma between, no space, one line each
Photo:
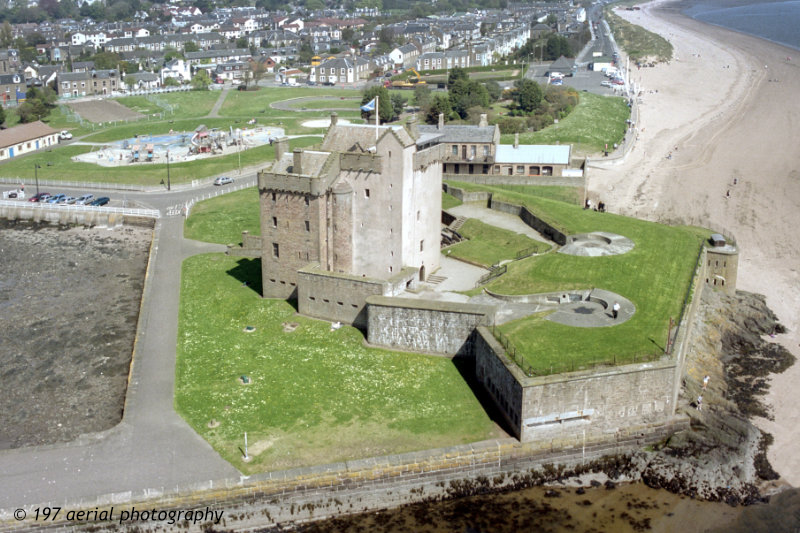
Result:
41,197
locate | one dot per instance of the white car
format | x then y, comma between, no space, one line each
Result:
85,199
605,83
223,180
65,135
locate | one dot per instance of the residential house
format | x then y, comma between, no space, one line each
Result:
405,55
142,80
12,87
88,83
217,56
340,70
177,69
232,70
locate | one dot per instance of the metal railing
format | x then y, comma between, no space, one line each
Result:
494,272
148,213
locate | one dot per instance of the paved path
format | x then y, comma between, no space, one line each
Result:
214,113
296,104
152,448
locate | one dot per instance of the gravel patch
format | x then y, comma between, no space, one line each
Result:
69,302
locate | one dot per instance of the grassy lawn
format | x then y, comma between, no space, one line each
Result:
352,103
489,245
256,103
58,165
315,396
223,218
637,42
654,276
562,193
595,121
449,201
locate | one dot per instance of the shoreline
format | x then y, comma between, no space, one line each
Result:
718,109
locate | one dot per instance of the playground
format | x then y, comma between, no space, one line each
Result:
178,146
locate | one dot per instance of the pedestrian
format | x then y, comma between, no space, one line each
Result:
615,310
728,194
700,403
705,382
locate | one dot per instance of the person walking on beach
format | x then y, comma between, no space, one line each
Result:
615,310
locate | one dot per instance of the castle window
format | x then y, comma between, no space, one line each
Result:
275,250
421,245
340,303
417,215
390,269
274,196
307,200
274,222
308,226
366,193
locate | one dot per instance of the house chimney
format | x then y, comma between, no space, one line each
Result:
441,121
411,126
334,118
281,147
297,166
484,120
516,140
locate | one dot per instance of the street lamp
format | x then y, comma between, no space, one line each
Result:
36,168
168,183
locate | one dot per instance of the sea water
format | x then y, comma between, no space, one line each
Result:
778,22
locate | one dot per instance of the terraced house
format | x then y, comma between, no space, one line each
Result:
88,83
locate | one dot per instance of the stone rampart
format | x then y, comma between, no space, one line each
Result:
531,220
491,179
562,407
77,215
424,325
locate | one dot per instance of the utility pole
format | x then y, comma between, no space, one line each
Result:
36,168
169,187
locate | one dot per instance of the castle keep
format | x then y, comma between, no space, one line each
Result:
358,216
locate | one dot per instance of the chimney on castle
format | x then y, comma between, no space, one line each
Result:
411,127
441,121
484,120
297,166
516,140
281,147
334,118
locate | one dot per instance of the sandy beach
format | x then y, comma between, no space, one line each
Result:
725,108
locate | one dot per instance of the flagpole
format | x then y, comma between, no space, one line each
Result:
377,111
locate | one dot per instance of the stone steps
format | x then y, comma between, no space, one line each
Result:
435,280
458,223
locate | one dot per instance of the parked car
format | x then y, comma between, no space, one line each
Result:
65,135
55,199
617,81
68,200
103,200
606,83
40,197
85,199
223,180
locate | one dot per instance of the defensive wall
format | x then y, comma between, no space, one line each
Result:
495,179
76,215
318,492
424,325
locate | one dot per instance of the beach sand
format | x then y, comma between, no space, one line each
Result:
728,102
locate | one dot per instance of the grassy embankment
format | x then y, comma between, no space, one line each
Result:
654,276
488,245
636,41
595,121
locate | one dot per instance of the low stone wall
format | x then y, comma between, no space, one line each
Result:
531,220
317,492
66,216
461,194
424,325
486,179
562,407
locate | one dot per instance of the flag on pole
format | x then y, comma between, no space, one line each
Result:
370,106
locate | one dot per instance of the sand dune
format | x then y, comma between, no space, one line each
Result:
726,108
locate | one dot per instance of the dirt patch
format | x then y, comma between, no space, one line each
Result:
104,111
69,297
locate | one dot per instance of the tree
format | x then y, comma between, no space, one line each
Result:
385,109
551,19
106,60
465,94
456,73
398,104
191,46
556,47
494,90
348,34
2,115
422,96
171,53
242,42
171,82
440,104
257,70
201,80
6,35
528,95
130,81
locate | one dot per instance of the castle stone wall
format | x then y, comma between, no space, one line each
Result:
423,325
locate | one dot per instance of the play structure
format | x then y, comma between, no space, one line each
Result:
179,146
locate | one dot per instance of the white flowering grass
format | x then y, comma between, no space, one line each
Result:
315,395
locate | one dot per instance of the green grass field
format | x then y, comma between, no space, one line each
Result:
654,276
570,195
315,395
449,201
595,121
489,245
58,165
